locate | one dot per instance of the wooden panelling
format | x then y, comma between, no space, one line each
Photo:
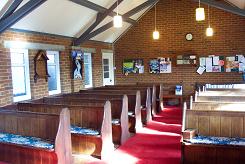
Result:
225,126
216,123
44,126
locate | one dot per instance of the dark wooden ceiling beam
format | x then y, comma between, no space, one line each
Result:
128,14
19,14
222,6
100,9
11,9
99,19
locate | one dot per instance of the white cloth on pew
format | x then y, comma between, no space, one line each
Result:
106,133
63,147
124,120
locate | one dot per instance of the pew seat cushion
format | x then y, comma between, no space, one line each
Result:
25,141
217,140
83,131
115,121
130,113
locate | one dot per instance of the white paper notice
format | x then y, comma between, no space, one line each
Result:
202,61
216,60
209,65
200,70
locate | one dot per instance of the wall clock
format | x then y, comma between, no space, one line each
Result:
188,36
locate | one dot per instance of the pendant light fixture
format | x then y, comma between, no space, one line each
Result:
117,20
200,14
209,30
155,33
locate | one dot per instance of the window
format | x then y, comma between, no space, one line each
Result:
20,74
88,70
54,72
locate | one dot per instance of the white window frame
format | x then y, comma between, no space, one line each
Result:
57,65
27,96
90,72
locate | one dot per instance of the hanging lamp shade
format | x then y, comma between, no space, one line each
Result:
117,21
209,31
200,14
156,35
155,32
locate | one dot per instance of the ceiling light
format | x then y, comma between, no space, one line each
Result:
200,14
156,34
209,30
117,20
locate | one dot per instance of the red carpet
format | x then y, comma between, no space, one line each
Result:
157,143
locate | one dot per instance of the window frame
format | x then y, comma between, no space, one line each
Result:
27,96
57,68
90,72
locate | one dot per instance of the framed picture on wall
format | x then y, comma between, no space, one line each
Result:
160,65
77,60
133,66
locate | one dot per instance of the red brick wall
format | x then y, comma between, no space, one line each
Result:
40,88
175,18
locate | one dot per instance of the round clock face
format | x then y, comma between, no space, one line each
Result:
188,36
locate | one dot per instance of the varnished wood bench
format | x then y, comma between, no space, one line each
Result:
48,147
134,104
145,94
218,106
213,124
95,119
120,125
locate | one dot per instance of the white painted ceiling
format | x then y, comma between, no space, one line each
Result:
63,17
238,3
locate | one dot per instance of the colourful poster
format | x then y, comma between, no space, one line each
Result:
133,66
154,66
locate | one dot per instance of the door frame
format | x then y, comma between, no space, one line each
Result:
111,65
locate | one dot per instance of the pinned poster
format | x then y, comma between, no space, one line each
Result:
216,60
209,64
202,61
200,70
232,64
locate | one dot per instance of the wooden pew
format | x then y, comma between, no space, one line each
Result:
151,94
119,112
220,99
51,128
93,117
219,106
134,104
214,123
145,98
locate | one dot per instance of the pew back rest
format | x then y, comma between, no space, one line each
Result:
216,123
116,104
217,106
108,96
83,116
143,92
220,98
39,125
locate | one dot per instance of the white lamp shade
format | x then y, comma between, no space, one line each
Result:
117,21
200,14
155,35
209,31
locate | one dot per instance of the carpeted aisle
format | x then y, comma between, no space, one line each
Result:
157,143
